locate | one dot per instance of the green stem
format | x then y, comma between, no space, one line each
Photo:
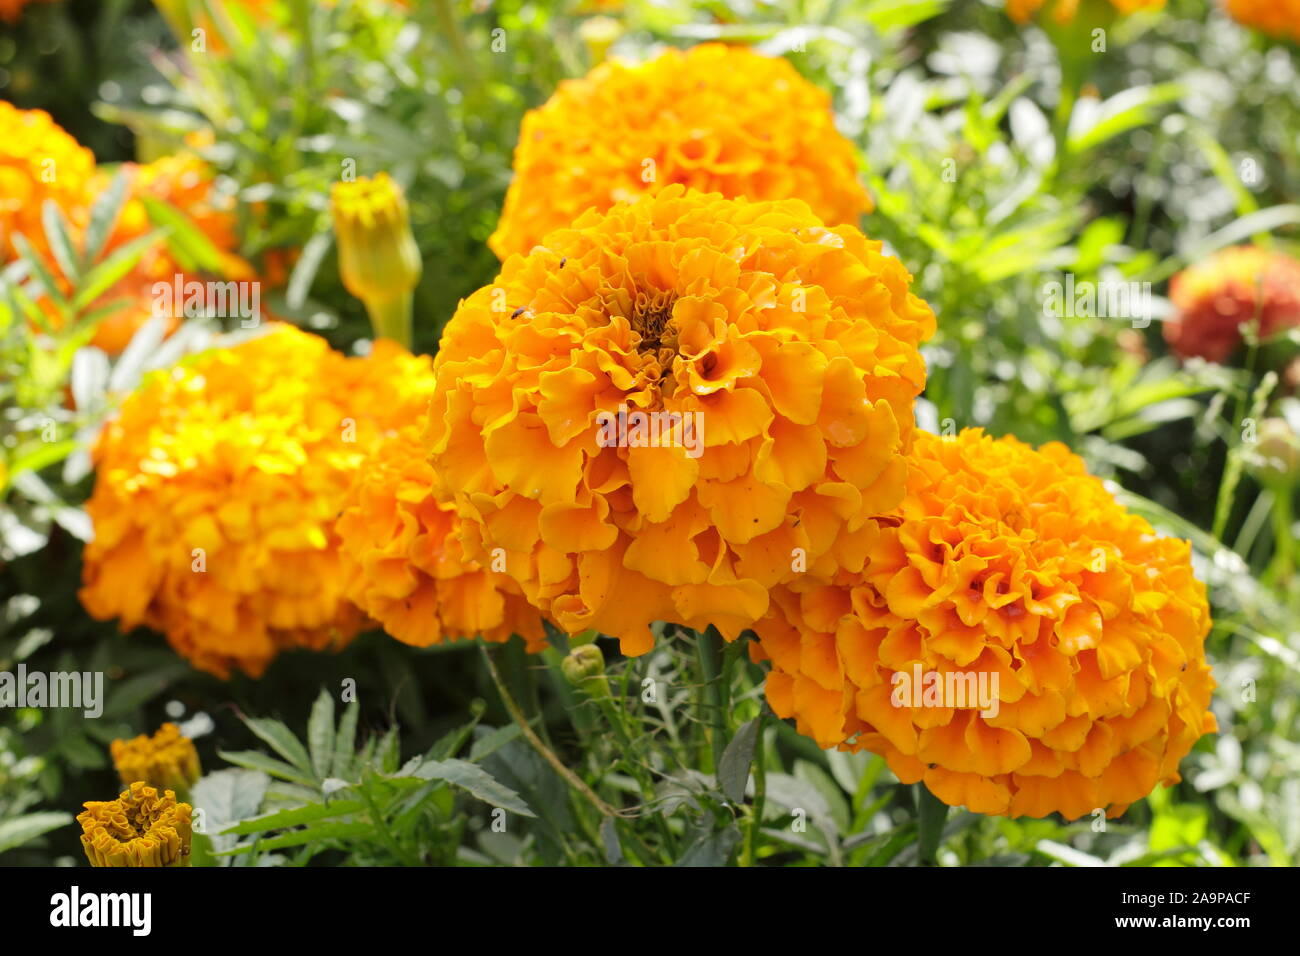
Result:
760,796
708,652
931,812
391,318
536,743
1283,540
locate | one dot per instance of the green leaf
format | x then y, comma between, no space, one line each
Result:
226,797
26,828
107,273
477,781
345,744
733,768
39,271
192,249
304,270
280,739
320,734
103,216
325,831
56,234
256,760
712,849
297,816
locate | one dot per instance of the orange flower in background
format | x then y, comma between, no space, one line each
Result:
1064,11
1018,641
1278,18
674,406
217,488
11,10
714,118
142,827
1215,298
38,161
404,566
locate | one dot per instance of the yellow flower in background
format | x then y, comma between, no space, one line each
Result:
166,760
713,118
676,405
1278,18
378,258
217,488
38,161
403,563
1065,638
142,827
1065,11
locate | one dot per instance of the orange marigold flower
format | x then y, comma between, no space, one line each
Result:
38,161
11,10
1065,11
1018,640
1214,298
1278,18
217,488
674,406
167,759
714,118
403,563
140,828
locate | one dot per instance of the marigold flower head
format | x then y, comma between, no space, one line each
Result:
1278,18
714,118
142,827
1011,572
38,161
217,488
167,759
404,565
674,406
1214,298
1064,12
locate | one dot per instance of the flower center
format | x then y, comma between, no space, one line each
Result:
652,319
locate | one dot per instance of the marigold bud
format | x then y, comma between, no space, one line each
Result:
139,828
599,34
379,261
167,759
585,668
1275,458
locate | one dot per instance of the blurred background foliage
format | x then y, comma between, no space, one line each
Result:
998,160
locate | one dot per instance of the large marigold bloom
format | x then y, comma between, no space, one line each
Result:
779,359
218,486
404,565
142,827
714,118
1214,298
1277,18
38,161
1063,12
1011,571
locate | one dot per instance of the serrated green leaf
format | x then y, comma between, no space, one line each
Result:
56,234
256,760
345,743
103,217
325,831
186,241
295,817
320,734
281,739
106,274
477,781
733,768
